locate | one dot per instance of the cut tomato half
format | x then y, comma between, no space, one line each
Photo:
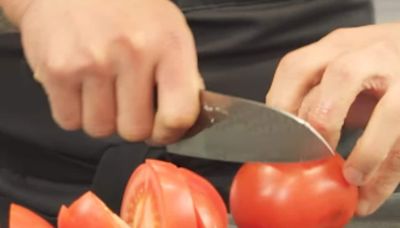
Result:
21,217
89,211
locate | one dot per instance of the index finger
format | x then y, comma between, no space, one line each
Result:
178,86
343,80
297,73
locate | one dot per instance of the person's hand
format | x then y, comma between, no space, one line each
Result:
351,76
101,61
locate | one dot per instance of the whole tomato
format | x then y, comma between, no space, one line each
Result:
311,194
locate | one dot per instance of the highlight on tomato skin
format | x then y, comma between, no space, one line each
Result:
309,194
21,217
88,211
159,194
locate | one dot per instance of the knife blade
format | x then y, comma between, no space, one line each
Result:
238,130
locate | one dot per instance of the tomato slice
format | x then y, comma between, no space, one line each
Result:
21,217
141,204
157,196
209,206
90,212
176,195
306,195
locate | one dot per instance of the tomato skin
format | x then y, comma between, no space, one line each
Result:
303,195
209,206
178,206
21,217
90,212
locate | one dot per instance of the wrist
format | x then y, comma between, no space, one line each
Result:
15,9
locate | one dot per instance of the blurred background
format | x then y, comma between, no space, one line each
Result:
387,10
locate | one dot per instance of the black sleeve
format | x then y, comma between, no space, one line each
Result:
4,212
114,170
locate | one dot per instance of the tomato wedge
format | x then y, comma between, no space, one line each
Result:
209,206
89,212
156,196
21,217
159,194
304,195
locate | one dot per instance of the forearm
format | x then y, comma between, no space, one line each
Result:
14,9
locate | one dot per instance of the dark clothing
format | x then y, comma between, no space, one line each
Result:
239,43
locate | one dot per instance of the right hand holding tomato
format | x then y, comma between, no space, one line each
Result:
101,61
350,78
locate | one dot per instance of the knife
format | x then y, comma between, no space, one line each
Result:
238,130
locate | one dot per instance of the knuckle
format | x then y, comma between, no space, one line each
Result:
139,42
61,70
295,63
90,64
393,162
343,69
318,118
57,67
289,60
386,46
383,187
131,45
176,39
338,34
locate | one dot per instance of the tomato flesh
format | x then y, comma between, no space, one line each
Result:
304,195
90,212
144,213
21,217
142,200
156,195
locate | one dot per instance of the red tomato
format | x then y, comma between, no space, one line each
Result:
302,195
21,217
89,212
159,194
209,206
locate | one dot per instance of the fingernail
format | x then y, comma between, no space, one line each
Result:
363,208
354,176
